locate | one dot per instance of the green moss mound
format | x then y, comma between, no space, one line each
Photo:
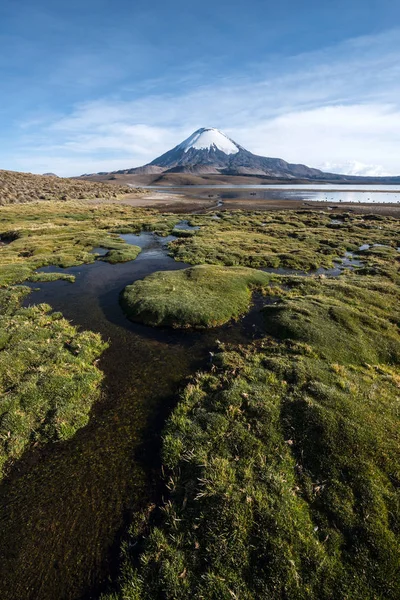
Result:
203,296
347,321
122,254
48,376
283,477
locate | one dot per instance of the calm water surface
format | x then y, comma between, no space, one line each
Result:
330,193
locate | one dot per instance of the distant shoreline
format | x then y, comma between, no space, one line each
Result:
278,188
179,202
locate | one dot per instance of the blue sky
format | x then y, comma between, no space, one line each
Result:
89,86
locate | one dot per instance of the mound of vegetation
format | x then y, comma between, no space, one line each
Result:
282,463
120,255
48,376
203,296
17,188
324,313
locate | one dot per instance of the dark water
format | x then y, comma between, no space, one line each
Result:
64,506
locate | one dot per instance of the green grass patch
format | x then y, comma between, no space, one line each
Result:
302,240
48,376
122,255
203,296
64,234
346,320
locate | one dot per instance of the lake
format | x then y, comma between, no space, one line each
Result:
330,193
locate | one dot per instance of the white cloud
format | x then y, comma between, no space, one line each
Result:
339,106
354,168
340,136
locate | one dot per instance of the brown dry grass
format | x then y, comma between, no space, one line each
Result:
17,188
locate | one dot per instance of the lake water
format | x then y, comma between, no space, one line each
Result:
330,193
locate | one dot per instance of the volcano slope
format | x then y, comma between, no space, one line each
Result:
282,459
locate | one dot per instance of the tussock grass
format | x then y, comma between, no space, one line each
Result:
120,255
203,296
16,188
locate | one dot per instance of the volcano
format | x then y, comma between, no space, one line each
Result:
210,156
210,151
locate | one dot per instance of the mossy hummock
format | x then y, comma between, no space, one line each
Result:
202,296
48,375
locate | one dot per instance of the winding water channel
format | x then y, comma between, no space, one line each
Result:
63,506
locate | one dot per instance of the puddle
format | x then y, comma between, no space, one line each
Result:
368,246
100,251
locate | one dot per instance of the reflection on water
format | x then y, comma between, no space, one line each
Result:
334,196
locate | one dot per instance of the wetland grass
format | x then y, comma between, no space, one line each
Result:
289,239
281,461
48,375
64,234
203,296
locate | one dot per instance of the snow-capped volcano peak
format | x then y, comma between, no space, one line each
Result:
207,138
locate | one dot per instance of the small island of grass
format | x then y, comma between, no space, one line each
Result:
202,296
121,254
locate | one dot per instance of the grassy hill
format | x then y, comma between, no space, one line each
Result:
17,188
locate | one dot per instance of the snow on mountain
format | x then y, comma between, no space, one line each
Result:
210,151
207,138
